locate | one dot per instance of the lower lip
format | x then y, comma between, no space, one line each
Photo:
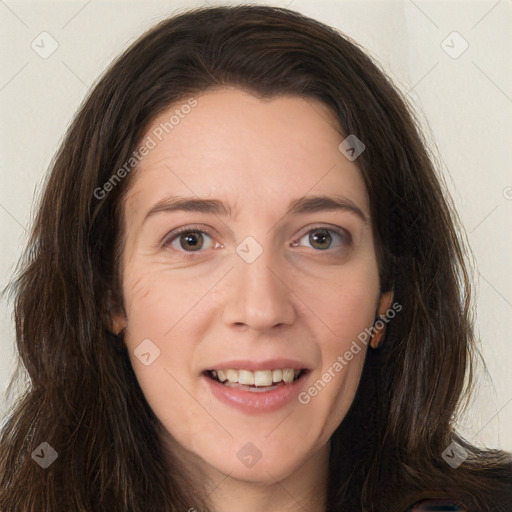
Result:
256,402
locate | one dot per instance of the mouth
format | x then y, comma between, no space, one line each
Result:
258,381
256,385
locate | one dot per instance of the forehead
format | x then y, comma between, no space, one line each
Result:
235,146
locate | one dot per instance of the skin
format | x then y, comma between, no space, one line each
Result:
301,301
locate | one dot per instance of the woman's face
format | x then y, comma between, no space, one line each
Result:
262,284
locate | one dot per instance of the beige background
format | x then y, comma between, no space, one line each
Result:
465,96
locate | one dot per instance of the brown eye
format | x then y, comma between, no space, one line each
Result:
323,239
192,241
320,239
189,240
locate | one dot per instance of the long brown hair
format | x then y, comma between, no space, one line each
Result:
83,398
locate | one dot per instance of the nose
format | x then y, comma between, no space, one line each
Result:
259,296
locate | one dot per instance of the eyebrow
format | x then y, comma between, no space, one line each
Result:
302,205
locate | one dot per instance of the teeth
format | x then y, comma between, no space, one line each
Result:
246,377
277,375
263,378
288,375
232,375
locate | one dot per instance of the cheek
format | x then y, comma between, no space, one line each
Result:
351,319
345,303
158,302
346,309
155,335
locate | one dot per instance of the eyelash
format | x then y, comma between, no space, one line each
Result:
343,235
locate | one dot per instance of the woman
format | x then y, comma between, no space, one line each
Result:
244,289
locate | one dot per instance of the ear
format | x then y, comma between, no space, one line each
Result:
118,323
116,313
379,328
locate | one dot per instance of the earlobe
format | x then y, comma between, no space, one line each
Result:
118,323
116,313
379,326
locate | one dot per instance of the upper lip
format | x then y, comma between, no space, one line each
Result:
253,364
